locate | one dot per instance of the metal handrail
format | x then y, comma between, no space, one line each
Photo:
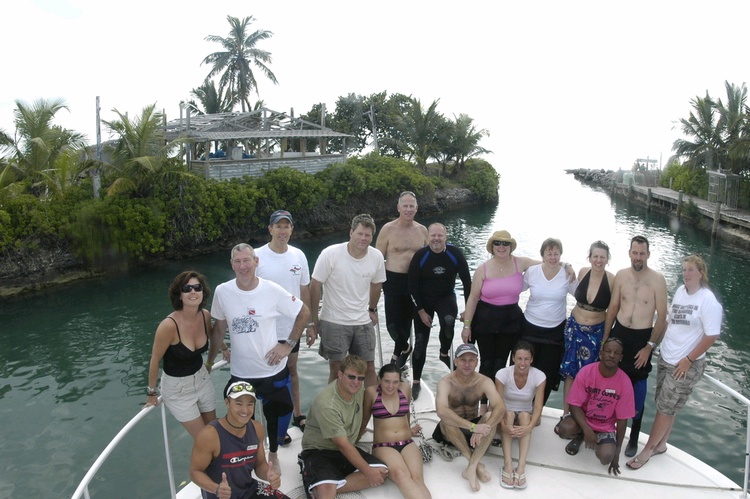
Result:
83,488
740,398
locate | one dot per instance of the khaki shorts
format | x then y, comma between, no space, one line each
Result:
672,394
190,396
337,340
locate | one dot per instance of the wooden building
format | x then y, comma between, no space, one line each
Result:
232,145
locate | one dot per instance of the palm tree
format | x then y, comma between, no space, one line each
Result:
33,157
464,141
422,131
211,99
705,148
236,61
139,156
732,124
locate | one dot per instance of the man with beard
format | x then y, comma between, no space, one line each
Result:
637,294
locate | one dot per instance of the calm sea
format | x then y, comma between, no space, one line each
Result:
73,363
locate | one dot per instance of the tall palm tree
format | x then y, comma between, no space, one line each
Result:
422,131
211,100
732,124
236,62
705,148
464,140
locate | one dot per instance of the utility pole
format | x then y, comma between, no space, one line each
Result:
96,177
371,114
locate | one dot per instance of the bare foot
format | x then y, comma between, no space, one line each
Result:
273,457
472,478
483,474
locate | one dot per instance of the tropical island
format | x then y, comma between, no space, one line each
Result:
69,210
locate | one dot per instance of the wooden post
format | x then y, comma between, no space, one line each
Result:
717,218
679,204
649,199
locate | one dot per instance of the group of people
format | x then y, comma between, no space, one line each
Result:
601,353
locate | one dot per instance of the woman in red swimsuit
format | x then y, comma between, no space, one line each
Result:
388,403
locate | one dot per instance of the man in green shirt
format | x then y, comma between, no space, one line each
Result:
329,462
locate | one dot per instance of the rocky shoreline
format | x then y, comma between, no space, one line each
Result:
52,267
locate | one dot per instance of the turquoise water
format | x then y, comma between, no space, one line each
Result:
74,360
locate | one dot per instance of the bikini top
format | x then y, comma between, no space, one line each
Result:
502,290
179,361
380,412
601,300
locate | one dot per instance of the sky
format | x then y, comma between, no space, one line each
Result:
557,84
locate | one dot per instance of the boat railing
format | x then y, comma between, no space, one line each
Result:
744,400
83,490
83,487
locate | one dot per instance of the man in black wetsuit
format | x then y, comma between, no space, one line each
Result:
432,284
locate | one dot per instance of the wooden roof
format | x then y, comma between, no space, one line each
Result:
263,123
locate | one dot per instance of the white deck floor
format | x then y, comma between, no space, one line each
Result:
550,471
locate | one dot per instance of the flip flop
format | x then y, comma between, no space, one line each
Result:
557,426
518,478
285,441
657,452
299,422
507,476
636,464
574,446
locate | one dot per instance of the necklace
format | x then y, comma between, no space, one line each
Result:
226,418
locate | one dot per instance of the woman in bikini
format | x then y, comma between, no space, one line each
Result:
388,403
585,327
179,342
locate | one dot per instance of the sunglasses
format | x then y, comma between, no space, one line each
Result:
242,387
192,287
500,243
352,377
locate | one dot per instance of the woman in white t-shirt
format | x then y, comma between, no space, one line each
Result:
522,389
693,325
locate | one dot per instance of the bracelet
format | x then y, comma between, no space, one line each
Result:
310,324
689,359
467,326
151,393
473,425
467,322
209,365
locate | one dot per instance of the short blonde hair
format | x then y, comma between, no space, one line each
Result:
700,265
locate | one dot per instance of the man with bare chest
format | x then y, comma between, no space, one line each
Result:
457,402
398,241
638,293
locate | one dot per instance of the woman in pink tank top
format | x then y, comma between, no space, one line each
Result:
492,316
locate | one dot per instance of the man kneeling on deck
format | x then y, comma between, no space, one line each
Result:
229,449
329,462
457,401
601,396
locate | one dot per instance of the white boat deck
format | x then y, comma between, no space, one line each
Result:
550,471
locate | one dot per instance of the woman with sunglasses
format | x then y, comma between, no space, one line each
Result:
388,403
179,342
493,317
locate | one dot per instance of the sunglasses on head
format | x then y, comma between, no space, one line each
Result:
500,243
352,377
242,387
192,287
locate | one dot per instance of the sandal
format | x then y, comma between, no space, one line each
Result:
299,422
574,445
519,480
285,441
507,476
557,426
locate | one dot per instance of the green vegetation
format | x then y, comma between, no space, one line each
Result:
139,201
717,138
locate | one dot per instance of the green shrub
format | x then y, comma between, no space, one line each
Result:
691,181
481,178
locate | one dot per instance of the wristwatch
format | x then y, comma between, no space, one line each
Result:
372,309
292,343
653,344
